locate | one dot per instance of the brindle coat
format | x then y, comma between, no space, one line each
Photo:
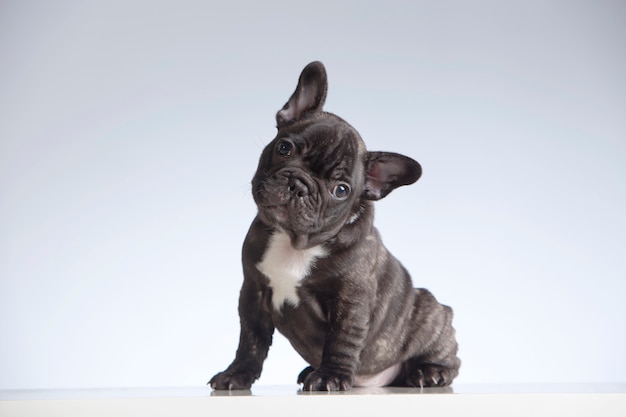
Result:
316,269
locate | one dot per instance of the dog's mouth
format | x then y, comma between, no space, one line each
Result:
291,203
298,213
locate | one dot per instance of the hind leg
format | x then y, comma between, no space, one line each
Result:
434,362
435,369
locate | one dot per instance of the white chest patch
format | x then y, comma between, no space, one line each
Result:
285,267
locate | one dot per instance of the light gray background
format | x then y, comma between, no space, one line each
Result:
129,132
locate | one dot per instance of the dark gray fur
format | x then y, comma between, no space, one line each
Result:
358,313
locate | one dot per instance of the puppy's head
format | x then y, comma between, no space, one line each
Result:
313,178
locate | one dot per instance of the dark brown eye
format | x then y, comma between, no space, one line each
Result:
341,191
284,148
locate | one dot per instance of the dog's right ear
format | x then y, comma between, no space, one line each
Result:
309,96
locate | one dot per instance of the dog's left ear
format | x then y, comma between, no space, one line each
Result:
309,96
387,171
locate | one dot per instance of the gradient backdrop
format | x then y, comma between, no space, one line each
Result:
130,130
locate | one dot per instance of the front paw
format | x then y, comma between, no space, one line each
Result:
321,380
231,381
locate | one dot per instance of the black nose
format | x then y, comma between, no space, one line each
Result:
298,188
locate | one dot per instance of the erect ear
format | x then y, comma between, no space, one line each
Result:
309,96
386,171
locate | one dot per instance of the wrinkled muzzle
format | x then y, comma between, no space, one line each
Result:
289,199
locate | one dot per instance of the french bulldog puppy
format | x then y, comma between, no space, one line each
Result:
315,267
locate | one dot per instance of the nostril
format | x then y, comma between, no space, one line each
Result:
298,188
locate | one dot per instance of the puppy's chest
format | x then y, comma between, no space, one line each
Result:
285,268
